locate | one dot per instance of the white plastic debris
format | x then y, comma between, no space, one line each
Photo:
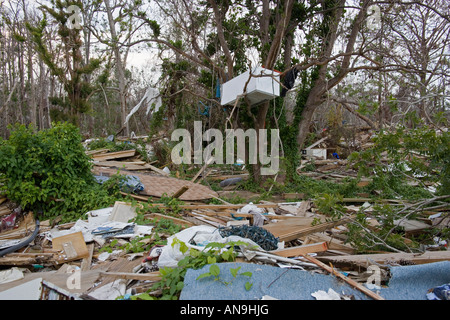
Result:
196,237
250,208
12,274
258,218
330,295
166,170
98,223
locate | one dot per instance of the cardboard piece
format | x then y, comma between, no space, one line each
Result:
73,246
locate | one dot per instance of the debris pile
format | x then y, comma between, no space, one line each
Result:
279,249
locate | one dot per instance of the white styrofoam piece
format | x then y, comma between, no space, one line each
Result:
258,88
30,290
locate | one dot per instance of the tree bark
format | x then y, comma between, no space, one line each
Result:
322,85
119,68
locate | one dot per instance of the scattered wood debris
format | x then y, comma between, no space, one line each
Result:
119,247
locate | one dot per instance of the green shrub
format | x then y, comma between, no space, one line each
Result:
48,172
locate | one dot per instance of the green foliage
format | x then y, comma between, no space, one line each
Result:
49,172
214,271
172,206
421,154
387,237
330,205
74,82
172,283
113,146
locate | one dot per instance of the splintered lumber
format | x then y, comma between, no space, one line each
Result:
26,259
209,220
389,258
114,155
202,169
292,229
182,190
23,230
157,170
94,152
351,282
316,143
86,263
300,250
333,243
4,211
135,196
123,165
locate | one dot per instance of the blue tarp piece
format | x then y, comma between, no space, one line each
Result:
406,283
205,111
279,283
130,183
218,88
413,282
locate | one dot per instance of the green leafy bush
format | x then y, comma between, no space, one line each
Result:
421,153
48,172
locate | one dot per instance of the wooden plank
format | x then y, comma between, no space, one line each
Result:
351,282
383,258
299,250
224,177
286,233
210,160
332,243
5,212
122,165
135,196
114,155
316,143
161,172
86,263
94,152
182,190
27,259
207,219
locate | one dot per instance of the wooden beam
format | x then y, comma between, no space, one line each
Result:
316,143
94,152
295,233
86,263
202,169
179,193
383,258
300,250
161,172
351,282
114,155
